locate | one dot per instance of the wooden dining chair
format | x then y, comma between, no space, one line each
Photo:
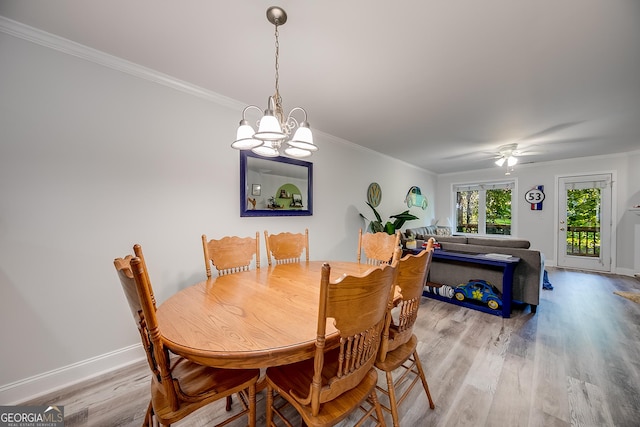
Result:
230,254
340,378
398,348
286,248
379,248
178,386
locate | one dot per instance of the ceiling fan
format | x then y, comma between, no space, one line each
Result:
508,155
533,144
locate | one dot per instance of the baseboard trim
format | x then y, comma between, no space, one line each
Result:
625,271
48,382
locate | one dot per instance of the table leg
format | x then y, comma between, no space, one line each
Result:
507,289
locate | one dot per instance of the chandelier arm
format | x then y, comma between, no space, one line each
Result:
244,114
301,109
248,107
290,124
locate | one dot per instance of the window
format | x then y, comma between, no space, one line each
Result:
484,208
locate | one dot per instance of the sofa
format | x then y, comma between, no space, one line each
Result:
528,274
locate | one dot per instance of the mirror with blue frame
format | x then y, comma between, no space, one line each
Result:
275,186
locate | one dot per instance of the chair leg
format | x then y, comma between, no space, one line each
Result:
229,402
269,405
252,405
393,402
376,404
148,416
423,378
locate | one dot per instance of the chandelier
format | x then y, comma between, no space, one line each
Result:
274,128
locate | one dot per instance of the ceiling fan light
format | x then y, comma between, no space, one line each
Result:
511,161
500,161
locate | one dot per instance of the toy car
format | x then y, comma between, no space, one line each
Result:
415,198
479,290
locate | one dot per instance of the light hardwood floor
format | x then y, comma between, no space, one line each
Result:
573,363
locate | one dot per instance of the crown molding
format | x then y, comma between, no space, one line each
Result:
69,47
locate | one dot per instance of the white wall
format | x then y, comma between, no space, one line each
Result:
93,160
539,227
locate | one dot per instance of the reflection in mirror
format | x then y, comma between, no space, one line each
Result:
277,186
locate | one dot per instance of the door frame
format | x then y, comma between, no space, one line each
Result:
614,215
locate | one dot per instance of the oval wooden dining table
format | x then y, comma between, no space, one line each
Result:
254,319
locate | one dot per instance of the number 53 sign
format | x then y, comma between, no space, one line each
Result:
535,196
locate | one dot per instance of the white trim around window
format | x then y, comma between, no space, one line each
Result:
511,184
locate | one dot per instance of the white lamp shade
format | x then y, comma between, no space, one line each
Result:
266,150
244,138
512,161
303,138
297,152
500,161
269,129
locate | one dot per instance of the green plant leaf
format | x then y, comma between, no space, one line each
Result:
375,212
389,227
401,218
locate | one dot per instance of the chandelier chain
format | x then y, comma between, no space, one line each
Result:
278,99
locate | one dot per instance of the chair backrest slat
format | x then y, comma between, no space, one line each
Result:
287,247
379,248
231,254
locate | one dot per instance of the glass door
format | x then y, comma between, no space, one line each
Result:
584,222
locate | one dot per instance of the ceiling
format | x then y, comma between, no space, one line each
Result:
440,84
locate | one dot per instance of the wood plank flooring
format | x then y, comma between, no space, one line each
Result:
574,363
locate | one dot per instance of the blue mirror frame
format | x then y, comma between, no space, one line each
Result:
277,172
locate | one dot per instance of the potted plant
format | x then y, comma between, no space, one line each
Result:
388,227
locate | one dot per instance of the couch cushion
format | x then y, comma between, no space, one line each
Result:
421,231
425,233
503,243
451,239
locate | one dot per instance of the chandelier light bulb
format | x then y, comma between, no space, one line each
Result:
297,152
303,138
244,137
268,149
269,129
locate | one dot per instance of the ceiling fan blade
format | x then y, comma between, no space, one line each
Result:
527,153
551,130
472,155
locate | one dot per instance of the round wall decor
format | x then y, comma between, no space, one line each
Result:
374,194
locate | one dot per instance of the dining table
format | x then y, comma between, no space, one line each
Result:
253,319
